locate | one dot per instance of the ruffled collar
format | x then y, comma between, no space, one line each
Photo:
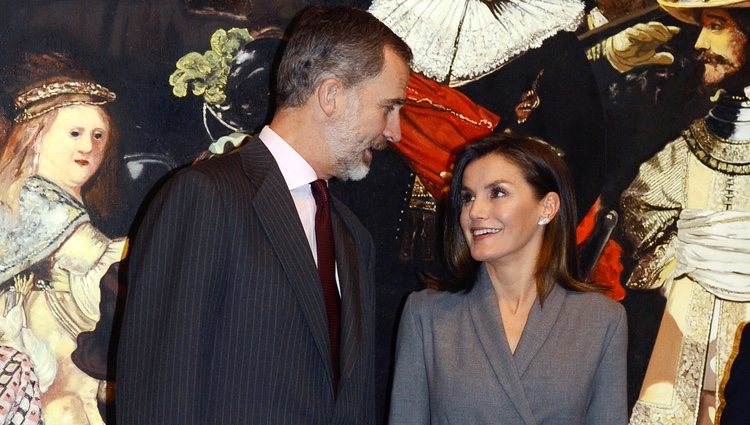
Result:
457,42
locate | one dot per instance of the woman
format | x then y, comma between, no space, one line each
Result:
50,163
513,337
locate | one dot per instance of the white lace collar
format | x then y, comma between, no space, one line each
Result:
458,41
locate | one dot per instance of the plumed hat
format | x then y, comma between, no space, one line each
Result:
234,78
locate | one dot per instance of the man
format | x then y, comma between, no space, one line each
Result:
227,319
687,214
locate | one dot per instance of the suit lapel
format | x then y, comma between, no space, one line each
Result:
351,294
275,209
485,317
538,327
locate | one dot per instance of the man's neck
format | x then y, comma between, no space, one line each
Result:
298,131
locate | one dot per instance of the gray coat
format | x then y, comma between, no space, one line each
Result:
454,364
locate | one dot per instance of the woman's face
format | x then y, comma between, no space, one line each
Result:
500,212
73,147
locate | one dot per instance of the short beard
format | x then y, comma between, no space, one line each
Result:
733,83
340,138
718,62
349,167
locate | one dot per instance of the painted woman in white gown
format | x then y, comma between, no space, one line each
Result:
52,258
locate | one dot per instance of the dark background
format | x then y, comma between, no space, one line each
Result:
131,46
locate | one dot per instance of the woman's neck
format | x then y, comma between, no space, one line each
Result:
515,287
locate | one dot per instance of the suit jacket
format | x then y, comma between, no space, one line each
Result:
225,321
454,364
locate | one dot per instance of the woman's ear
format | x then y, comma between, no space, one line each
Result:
550,207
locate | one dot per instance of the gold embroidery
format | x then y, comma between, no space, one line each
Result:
413,98
421,198
683,408
724,155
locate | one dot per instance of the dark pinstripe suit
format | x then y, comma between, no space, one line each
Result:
225,321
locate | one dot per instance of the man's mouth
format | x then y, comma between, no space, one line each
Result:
710,58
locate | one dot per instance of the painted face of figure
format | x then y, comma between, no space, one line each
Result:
369,120
73,147
500,212
721,44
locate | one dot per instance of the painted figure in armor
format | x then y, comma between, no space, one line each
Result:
687,214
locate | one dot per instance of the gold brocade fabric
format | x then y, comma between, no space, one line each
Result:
421,198
684,175
727,156
682,407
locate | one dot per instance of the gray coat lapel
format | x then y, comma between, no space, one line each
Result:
276,211
538,327
351,294
485,317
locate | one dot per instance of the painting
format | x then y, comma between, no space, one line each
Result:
101,101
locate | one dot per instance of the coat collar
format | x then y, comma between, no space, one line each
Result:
275,209
278,215
349,274
509,368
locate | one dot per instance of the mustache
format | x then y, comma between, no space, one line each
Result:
712,58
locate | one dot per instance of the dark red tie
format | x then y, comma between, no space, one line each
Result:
327,270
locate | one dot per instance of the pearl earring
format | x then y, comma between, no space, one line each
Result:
543,221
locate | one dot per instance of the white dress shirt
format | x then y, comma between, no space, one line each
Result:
298,174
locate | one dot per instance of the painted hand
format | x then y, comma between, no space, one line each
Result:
636,46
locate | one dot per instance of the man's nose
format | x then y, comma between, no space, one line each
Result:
703,41
392,131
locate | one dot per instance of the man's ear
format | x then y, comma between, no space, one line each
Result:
327,95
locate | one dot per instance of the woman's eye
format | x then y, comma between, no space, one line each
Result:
466,198
497,192
75,133
98,135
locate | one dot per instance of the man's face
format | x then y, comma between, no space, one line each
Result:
369,119
721,44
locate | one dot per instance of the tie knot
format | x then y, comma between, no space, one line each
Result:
320,191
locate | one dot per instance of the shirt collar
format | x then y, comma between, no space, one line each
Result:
296,171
